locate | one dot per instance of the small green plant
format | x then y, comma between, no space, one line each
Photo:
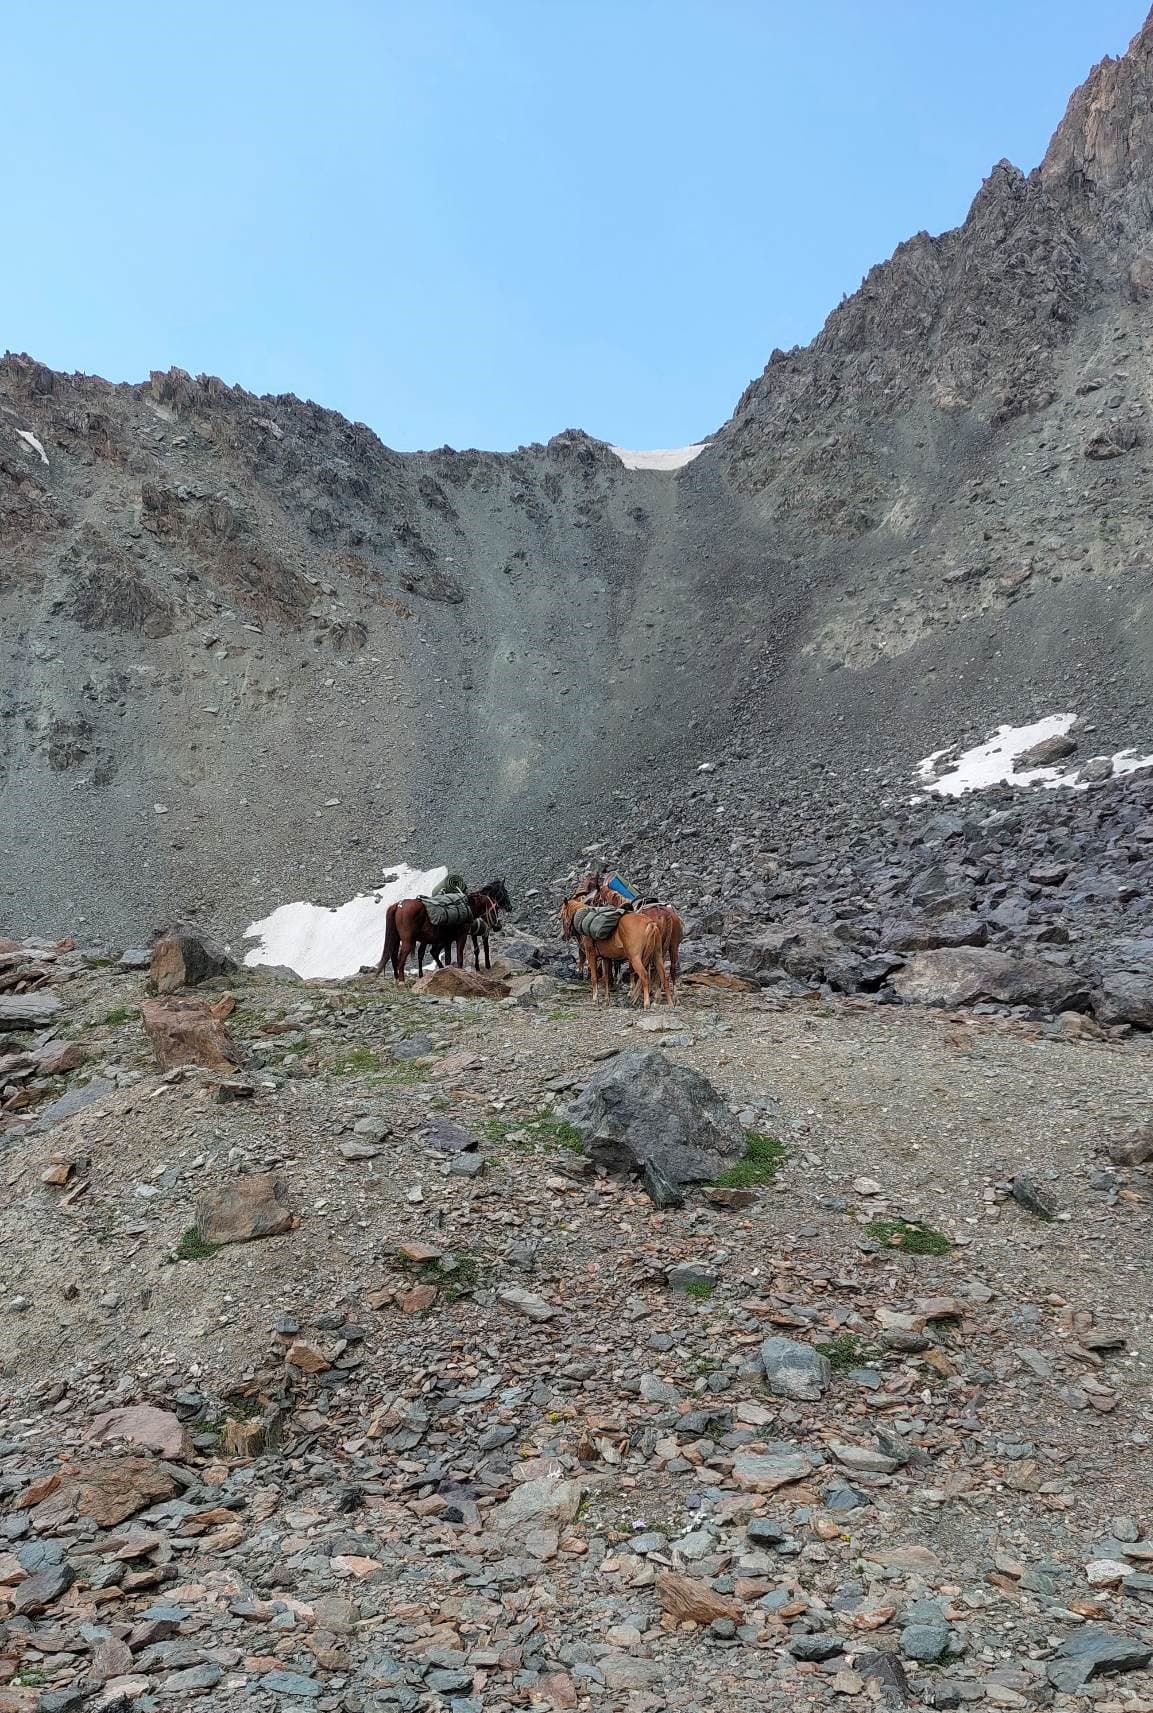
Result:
702,1289
542,1128
30,1677
458,1279
118,1015
356,1062
847,1350
403,1075
193,1247
910,1236
763,1158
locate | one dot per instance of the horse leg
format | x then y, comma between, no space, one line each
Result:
487,959
640,970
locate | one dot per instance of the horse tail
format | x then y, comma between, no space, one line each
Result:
391,939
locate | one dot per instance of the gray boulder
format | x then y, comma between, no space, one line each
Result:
963,974
795,1370
641,1113
1126,997
1094,1649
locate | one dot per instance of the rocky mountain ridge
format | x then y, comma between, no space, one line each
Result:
250,654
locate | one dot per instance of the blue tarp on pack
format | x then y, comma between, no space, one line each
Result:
622,889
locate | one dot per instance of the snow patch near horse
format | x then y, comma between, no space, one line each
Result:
327,943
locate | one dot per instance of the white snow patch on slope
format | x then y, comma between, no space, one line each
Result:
328,943
670,458
991,762
29,439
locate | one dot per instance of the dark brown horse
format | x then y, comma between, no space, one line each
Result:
409,928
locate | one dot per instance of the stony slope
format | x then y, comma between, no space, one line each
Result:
220,613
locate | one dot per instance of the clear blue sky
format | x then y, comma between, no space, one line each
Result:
482,221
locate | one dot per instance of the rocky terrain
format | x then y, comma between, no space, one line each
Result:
344,1374
461,1346
249,654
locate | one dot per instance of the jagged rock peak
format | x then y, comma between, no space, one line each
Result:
1104,143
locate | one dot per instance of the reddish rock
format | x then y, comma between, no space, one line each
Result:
687,1599
185,960
461,984
244,1209
58,1057
308,1357
189,1032
141,1424
110,1489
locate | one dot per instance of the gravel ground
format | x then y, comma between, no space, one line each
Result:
1018,1406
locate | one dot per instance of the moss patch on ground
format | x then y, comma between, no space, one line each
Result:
764,1156
910,1236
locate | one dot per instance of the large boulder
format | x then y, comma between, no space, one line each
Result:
801,948
454,983
963,974
189,1032
1126,997
185,960
962,928
641,1113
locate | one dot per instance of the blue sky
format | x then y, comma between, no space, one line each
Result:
482,221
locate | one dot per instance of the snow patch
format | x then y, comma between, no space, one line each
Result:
29,439
991,762
670,458
325,943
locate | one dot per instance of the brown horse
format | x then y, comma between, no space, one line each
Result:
592,890
636,941
409,927
672,931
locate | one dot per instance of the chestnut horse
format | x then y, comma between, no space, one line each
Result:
636,941
672,930
408,927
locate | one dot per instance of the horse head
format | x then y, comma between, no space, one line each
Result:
498,892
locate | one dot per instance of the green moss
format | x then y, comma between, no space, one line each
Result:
702,1289
356,1062
848,1350
192,1247
458,1279
541,1129
120,1014
763,1158
910,1236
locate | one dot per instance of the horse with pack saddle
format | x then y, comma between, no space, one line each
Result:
439,922
610,929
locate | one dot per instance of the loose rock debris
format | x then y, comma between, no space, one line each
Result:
293,1412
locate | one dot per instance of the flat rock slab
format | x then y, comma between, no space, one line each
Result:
142,1425
244,1209
968,973
448,1138
27,1010
461,984
756,1472
1095,1650
795,1370
75,1100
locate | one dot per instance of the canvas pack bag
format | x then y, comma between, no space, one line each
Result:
448,910
597,921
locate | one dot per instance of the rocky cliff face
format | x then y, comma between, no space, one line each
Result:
247,653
